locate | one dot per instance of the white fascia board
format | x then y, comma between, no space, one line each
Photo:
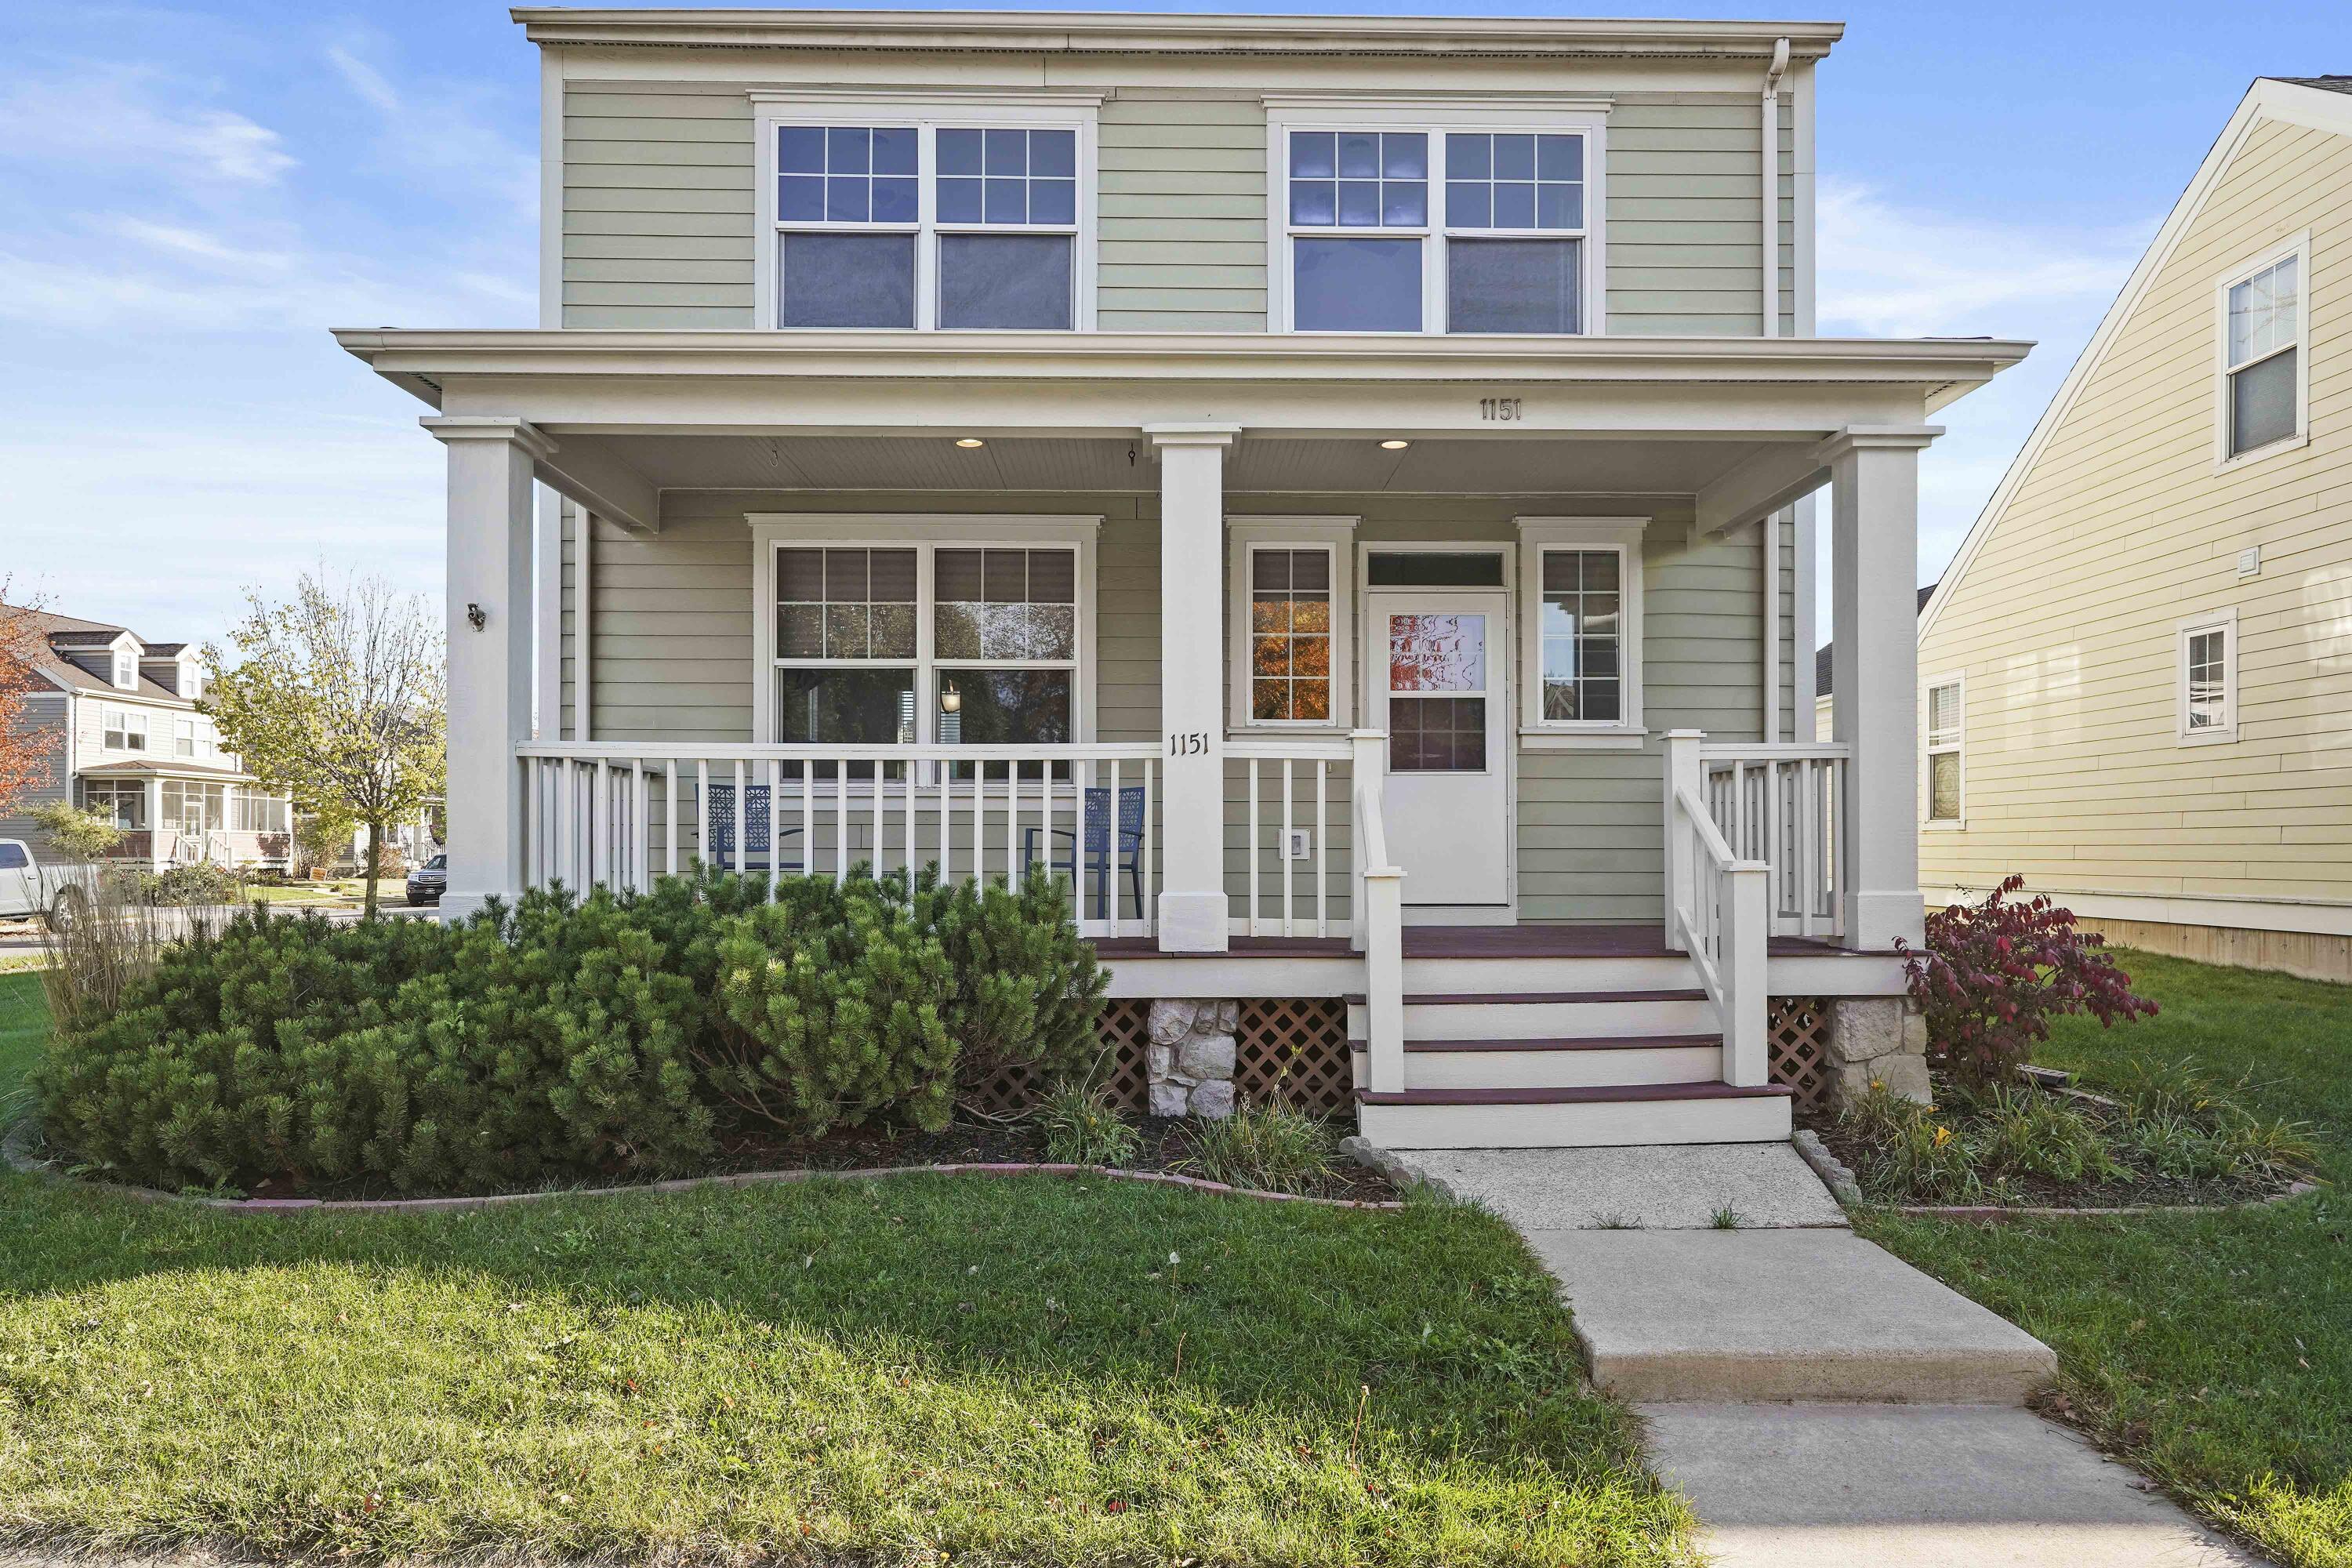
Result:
2266,99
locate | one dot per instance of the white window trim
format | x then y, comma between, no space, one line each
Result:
122,667
1958,748
1245,535
926,533
1586,117
1623,534
927,111
2226,623
2298,247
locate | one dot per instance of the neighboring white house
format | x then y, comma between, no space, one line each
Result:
1336,484
2137,668
133,748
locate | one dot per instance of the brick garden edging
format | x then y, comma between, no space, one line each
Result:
15,1148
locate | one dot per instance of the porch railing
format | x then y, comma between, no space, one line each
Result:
620,814
1378,884
1273,774
1784,806
1716,911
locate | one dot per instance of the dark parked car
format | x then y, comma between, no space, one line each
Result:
429,882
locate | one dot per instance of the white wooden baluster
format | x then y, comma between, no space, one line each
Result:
841,823
641,848
775,826
910,772
1082,774
1253,851
670,815
1111,836
702,810
1283,849
1149,911
1322,877
979,824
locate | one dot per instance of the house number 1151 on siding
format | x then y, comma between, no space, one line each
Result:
1505,408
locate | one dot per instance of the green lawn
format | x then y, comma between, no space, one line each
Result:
921,1370
2214,1352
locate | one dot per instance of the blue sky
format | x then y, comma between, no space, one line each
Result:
196,193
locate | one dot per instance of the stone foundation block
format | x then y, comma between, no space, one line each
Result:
1192,1055
1877,1039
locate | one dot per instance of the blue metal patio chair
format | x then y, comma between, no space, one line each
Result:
1101,860
762,838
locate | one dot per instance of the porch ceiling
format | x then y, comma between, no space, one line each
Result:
1520,465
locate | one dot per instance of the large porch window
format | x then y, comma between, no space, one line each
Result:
121,802
901,640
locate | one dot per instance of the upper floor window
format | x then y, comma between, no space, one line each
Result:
2265,376
919,222
183,737
126,731
126,669
1425,229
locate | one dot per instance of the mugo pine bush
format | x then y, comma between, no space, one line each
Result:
564,1037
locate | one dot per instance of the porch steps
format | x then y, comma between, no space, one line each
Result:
1556,1063
1523,1045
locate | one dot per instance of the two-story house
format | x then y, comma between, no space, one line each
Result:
132,746
2134,673
1331,489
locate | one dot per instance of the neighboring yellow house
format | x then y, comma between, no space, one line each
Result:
2135,678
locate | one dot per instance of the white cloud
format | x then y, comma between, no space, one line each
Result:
1891,269
95,113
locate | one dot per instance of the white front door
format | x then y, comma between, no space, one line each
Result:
1439,660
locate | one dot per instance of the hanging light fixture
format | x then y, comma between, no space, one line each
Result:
951,700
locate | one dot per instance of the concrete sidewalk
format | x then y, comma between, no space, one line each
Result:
1910,1449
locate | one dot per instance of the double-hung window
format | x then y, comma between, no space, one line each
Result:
1581,596
183,737
2206,683
895,219
907,640
2265,376
126,731
1424,228
121,802
1947,741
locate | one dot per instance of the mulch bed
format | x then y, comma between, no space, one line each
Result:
1165,1142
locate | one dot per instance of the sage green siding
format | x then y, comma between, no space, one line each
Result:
1685,253
673,663
1181,230
657,205
658,210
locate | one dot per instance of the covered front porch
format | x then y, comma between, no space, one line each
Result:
1316,644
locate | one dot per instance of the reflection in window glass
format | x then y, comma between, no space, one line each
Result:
835,279
1005,280
1290,635
1582,640
1437,653
846,174
1006,604
1004,708
2208,689
845,604
1512,285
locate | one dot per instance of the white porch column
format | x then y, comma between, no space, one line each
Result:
1873,605
1191,684
490,468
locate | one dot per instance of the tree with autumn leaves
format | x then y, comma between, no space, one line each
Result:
338,698
24,748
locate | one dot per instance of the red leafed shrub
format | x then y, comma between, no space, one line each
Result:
1994,974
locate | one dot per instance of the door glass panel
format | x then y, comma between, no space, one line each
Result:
1437,734
1437,653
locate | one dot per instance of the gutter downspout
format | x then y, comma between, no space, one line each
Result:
1768,532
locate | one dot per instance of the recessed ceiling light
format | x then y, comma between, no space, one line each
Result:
1394,445
971,441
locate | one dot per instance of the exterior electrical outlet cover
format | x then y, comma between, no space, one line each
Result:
1299,844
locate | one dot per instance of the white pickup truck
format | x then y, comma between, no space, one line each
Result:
55,893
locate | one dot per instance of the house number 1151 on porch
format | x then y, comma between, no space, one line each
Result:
1505,408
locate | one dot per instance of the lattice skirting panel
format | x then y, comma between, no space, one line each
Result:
1294,1050
1796,1033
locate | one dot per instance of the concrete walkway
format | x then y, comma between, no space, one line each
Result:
1819,1401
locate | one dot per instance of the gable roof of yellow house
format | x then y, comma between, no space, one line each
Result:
2134,686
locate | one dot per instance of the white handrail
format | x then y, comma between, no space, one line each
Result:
1784,804
1716,912
1380,915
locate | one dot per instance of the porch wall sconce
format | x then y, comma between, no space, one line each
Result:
951,700
1394,445
477,616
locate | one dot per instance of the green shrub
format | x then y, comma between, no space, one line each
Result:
1265,1144
562,1038
1081,1127
1909,1155
829,1008
2021,1131
193,886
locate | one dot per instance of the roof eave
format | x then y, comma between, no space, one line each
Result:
1132,33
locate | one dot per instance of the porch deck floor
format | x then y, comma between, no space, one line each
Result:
1477,942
